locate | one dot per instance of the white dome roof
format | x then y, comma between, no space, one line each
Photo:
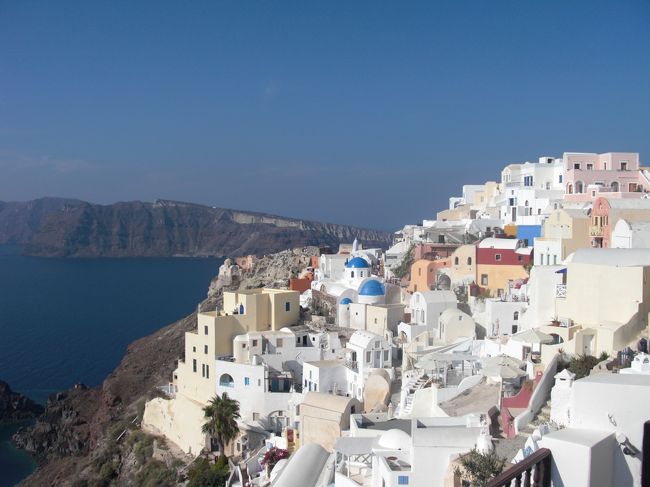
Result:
395,439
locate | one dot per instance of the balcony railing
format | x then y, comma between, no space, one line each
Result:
532,471
352,365
595,231
560,290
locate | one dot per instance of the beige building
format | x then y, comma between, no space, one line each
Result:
605,301
324,417
563,232
195,380
462,267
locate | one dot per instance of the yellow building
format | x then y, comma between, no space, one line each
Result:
195,379
243,311
563,232
500,263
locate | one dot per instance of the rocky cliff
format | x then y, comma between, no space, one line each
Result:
79,440
70,228
15,406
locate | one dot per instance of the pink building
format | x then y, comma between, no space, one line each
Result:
614,175
605,214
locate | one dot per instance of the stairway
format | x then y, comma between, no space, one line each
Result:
414,385
543,416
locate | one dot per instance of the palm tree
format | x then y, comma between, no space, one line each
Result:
221,416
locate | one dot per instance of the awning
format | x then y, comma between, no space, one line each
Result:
561,271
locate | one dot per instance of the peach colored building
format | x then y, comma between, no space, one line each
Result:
605,213
423,275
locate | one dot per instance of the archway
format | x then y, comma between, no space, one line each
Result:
226,380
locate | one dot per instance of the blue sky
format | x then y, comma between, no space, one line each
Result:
369,113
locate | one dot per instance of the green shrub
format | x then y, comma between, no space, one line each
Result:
204,474
479,468
155,474
143,449
582,364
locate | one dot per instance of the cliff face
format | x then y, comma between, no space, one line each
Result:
165,228
78,435
19,221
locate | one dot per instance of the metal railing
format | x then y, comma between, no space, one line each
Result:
532,471
595,231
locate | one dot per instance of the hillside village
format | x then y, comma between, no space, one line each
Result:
512,327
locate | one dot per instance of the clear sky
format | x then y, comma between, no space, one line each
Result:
370,113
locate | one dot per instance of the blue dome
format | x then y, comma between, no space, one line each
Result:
357,263
372,288
346,301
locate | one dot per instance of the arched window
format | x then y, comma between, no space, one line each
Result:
351,273
226,380
241,309
469,261
580,187
526,203
614,186
456,261
516,315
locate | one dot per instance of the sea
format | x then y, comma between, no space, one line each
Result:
65,321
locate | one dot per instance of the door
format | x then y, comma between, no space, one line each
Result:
514,213
587,343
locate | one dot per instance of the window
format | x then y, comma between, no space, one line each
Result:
287,306
368,357
623,165
202,370
456,261
402,480
520,258
207,371
194,365
310,374
377,343
560,178
278,343
205,349
516,316
590,167
243,345
576,165
226,380
255,343
247,381
497,257
469,261
351,273
205,329
484,279
193,349
385,355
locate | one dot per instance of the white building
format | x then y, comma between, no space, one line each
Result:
631,235
364,353
426,307
412,452
601,445
530,191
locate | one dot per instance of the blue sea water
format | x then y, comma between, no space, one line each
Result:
64,321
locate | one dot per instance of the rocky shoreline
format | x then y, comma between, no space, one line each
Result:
89,436
15,407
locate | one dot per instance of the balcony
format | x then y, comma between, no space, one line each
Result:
595,231
352,365
532,471
560,291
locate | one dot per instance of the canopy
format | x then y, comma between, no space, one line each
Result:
503,371
561,271
502,360
430,359
532,336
